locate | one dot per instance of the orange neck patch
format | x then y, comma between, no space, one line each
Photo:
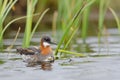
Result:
45,50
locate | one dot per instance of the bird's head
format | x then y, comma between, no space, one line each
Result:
46,41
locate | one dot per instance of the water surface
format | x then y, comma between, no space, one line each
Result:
96,66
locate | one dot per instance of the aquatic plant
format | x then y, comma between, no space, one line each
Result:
30,10
70,21
19,18
12,44
85,22
28,28
116,19
103,5
5,7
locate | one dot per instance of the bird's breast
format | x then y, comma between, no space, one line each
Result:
46,50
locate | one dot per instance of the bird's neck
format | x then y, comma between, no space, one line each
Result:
45,50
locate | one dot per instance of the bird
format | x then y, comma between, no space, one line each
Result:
34,54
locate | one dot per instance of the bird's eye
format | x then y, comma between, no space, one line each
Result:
47,39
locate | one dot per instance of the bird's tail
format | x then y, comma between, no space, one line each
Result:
20,50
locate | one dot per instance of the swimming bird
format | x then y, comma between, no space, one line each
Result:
34,54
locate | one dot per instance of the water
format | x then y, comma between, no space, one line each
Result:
104,65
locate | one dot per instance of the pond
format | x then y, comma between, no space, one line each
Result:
96,66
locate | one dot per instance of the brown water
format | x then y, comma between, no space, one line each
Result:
96,66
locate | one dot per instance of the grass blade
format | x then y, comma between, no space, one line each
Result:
14,21
116,18
8,8
40,18
11,46
73,53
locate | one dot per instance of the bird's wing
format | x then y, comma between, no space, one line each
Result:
28,51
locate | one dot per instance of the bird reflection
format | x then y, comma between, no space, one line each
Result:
42,65
46,66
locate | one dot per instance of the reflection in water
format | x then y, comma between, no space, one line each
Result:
43,65
2,62
46,66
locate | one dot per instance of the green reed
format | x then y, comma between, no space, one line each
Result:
116,19
85,21
37,23
66,11
103,5
29,33
28,28
12,21
5,7
12,44
69,21
24,17
41,5
30,10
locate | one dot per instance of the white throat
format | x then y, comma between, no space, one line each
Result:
45,44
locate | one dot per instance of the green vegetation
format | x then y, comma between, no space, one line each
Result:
28,29
70,26
103,6
116,18
30,10
85,22
5,7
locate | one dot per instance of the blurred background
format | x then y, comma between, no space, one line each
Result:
20,9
